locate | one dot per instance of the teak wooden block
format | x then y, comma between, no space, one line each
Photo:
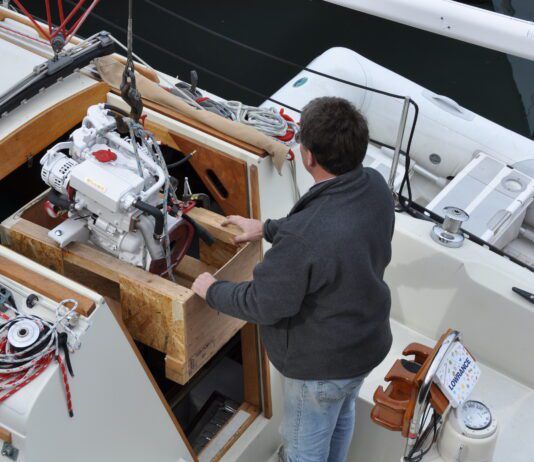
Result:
162,314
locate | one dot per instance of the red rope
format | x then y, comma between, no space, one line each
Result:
41,365
66,385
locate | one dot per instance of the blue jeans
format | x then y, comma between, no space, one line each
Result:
319,418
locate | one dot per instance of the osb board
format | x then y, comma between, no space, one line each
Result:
32,241
231,172
39,132
208,330
153,318
143,295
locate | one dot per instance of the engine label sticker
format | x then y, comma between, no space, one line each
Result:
458,375
95,184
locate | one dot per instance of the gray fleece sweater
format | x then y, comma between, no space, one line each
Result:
319,294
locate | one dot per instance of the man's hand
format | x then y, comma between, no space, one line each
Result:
202,284
252,229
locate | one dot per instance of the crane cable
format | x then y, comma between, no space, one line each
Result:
132,97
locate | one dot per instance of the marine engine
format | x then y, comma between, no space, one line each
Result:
111,186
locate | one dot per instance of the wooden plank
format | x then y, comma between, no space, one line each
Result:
266,383
255,192
41,131
253,413
265,369
213,223
216,254
44,286
190,268
32,241
251,364
209,163
203,127
5,435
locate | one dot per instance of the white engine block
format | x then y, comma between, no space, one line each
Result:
100,178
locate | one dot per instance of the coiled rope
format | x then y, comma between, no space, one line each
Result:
20,366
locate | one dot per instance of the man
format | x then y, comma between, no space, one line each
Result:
319,294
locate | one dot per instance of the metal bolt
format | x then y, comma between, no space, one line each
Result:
32,300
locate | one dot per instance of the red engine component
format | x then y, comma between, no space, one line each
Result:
180,236
105,155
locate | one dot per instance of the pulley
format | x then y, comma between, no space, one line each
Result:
23,333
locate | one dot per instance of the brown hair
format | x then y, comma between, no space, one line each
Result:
335,132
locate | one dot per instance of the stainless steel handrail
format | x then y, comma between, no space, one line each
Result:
398,144
424,391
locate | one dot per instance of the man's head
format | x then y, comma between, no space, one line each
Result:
333,136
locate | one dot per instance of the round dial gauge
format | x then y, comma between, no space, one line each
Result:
476,415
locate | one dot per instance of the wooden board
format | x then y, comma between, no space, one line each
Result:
213,222
251,365
208,330
224,176
44,286
41,131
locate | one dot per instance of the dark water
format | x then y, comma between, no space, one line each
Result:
490,83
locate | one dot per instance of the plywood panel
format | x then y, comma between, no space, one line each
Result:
32,241
209,330
213,224
251,364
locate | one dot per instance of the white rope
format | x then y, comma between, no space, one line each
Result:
266,120
20,361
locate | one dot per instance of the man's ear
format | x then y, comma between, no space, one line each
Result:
311,160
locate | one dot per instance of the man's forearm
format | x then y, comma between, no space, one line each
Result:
231,298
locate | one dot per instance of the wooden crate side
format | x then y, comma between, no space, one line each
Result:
213,222
32,241
208,330
155,318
